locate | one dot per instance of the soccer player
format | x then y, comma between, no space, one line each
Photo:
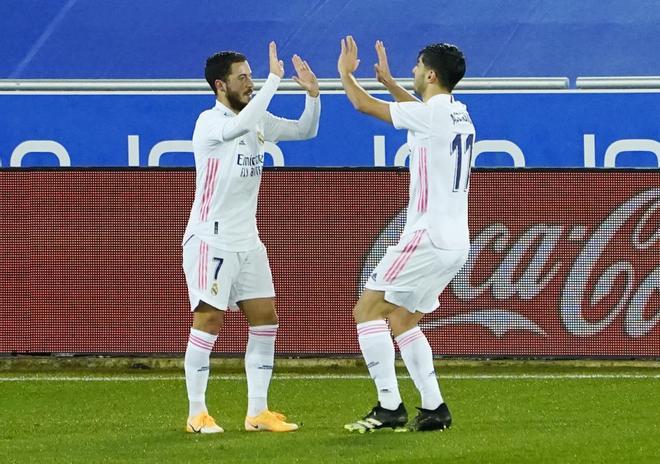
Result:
434,244
225,262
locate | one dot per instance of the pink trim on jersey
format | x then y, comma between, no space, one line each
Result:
209,187
408,339
203,256
200,342
401,261
423,200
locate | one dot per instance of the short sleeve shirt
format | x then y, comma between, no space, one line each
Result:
441,137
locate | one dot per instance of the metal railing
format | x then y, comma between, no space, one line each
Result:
199,85
632,82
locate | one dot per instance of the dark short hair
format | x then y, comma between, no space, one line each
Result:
218,66
446,60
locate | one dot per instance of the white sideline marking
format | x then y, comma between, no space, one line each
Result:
160,378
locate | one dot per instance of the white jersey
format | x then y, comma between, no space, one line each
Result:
440,138
229,157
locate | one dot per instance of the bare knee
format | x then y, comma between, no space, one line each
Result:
208,319
401,320
371,306
259,311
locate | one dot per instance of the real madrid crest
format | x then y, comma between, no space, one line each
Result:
260,138
214,288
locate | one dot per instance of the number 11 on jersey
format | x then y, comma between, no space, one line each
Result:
463,163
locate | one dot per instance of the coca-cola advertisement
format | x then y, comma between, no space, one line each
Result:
564,263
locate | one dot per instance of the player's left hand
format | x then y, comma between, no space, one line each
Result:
274,63
348,58
382,68
306,77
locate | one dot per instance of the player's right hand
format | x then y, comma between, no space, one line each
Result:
382,68
348,58
276,65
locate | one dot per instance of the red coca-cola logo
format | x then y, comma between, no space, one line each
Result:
592,272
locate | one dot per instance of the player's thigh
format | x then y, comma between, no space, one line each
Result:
372,306
210,274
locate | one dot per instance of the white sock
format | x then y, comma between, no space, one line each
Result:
196,364
378,352
259,359
418,358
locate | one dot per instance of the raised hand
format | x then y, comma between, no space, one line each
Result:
276,65
348,58
382,68
384,76
306,77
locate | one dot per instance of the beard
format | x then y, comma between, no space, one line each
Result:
235,101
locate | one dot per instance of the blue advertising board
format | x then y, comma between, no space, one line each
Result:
124,39
553,129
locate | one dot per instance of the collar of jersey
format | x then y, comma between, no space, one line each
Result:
221,107
441,97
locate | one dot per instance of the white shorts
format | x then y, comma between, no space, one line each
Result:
222,278
413,273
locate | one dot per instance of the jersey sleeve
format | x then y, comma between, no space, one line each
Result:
414,116
209,127
276,128
249,116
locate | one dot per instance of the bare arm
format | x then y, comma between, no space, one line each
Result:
361,100
384,76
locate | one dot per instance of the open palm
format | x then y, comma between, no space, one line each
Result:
348,58
305,76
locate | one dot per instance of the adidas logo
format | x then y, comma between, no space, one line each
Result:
241,142
374,276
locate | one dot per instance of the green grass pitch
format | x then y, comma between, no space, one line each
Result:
507,413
